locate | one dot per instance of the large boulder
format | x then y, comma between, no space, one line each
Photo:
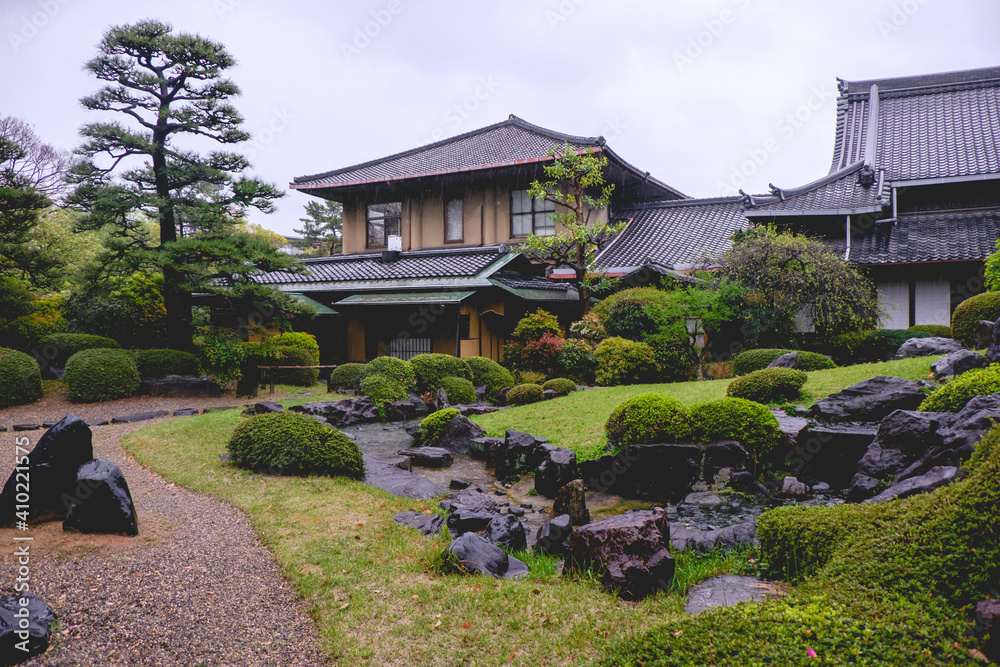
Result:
471,500
51,471
657,472
507,532
830,452
458,434
557,469
390,477
101,501
263,408
554,535
631,551
724,455
933,479
957,363
25,628
485,449
428,524
572,500
927,347
870,400
473,554
428,457
787,360
345,412
519,454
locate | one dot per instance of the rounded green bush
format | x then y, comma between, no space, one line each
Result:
751,424
488,373
300,340
535,325
345,376
431,369
523,394
621,361
393,368
101,374
953,396
577,362
58,348
163,362
939,330
459,390
768,385
561,386
965,319
634,313
295,356
646,419
20,378
755,360
432,427
382,389
287,443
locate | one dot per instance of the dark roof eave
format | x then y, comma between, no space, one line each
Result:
754,213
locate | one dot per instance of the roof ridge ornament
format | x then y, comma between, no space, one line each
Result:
777,191
748,199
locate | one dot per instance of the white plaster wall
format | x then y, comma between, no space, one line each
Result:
933,302
894,297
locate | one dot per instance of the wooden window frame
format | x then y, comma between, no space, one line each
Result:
385,227
460,239
535,214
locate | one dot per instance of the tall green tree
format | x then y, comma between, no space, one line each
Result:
323,224
166,87
574,180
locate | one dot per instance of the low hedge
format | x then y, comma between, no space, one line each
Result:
621,361
872,346
432,427
965,319
393,368
953,396
20,378
755,360
751,424
286,355
301,340
646,419
488,373
58,348
939,330
101,374
459,390
431,369
523,394
562,386
287,443
345,376
382,389
768,385
163,362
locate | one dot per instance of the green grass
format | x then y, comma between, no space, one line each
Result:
577,421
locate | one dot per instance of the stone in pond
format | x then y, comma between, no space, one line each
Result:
572,500
473,554
100,501
428,457
557,469
18,643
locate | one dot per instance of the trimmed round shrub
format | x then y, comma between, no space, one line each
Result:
646,419
300,340
20,379
577,362
459,390
393,368
431,369
433,426
287,443
58,348
382,389
488,373
535,325
295,356
768,385
621,361
634,313
163,362
345,376
965,319
939,330
751,424
523,394
754,360
101,374
561,386
953,396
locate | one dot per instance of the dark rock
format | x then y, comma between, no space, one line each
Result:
459,434
517,511
683,538
725,591
472,500
787,360
26,427
428,457
519,454
793,488
656,472
476,409
500,492
822,487
507,532
410,407
225,458
557,469
549,394
862,488
571,500
993,351
459,484
186,412
554,535
631,551
428,524
139,417
744,482
957,363
344,412
52,467
263,408
182,386
3,429
98,422
870,400
502,395
988,623
100,501
440,400
463,520
387,476
911,430
830,452
700,498
933,479
48,424
18,643
481,393
485,449
473,554
926,347
728,454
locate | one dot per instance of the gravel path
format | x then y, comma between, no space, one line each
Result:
196,587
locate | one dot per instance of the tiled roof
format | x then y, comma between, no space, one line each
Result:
927,237
837,193
521,281
673,233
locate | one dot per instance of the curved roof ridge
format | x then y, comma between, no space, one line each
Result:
690,201
923,82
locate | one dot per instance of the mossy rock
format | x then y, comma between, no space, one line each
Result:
20,378
101,374
433,426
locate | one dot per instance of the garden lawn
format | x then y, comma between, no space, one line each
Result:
577,421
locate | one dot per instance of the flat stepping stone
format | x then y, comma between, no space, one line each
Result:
27,427
3,429
398,482
428,457
726,591
223,407
706,498
48,424
186,412
139,417
98,422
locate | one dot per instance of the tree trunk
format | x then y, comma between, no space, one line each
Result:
176,301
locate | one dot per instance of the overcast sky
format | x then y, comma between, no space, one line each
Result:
708,96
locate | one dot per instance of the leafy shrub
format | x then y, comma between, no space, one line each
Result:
20,379
871,346
768,385
26,331
133,312
749,423
577,362
634,313
163,362
754,360
345,376
939,330
295,356
953,396
523,394
488,373
250,375
393,368
58,348
561,386
459,390
101,374
677,360
965,319
541,354
221,353
305,341
534,325
621,361
292,444
382,389
589,328
433,426
648,418
530,377
431,369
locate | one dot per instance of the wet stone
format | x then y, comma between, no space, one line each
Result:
101,501
139,417
40,618
428,457
428,524
186,412
726,591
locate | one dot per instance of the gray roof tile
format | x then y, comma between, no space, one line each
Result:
839,192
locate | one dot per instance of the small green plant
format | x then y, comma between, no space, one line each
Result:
58,348
222,356
577,362
20,379
523,394
433,426
163,362
458,390
768,385
755,360
382,389
621,361
305,341
431,369
562,386
953,396
534,325
648,418
393,368
965,319
488,373
530,377
751,424
345,376
101,374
